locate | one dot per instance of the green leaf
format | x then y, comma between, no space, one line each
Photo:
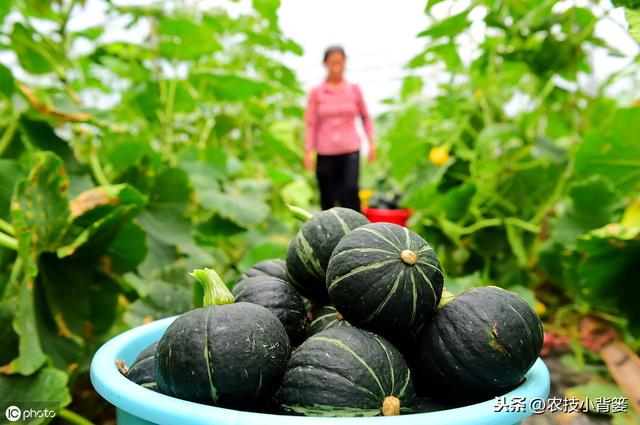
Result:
37,53
99,215
614,151
431,3
448,27
298,193
406,150
171,189
215,229
41,135
457,200
262,252
7,84
268,9
5,8
165,299
457,285
446,52
593,202
40,215
125,152
243,210
92,33
81,300
165,218
631,4
411,85
9,350
633,18
10,173
31,356
527,294
48,386
182,38
127,249
168,226
231,87
607,267
39,208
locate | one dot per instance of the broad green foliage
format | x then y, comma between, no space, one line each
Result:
632,11
540,176
47,388
125,164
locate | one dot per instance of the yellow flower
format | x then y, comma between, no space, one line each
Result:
540,308
438,156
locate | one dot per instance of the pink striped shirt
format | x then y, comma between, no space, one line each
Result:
330,119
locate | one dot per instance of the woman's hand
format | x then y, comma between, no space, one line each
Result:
372,152
308,161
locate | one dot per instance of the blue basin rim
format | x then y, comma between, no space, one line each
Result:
164,410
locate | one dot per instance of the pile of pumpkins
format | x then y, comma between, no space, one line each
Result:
355,322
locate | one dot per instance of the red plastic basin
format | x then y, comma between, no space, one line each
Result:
376,215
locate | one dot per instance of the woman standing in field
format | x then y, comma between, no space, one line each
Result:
332,109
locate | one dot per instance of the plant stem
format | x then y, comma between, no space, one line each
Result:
73,417
7,227
96,169
488,222
524,225
215,291
555,195
300,213
12,282
8,242
6,138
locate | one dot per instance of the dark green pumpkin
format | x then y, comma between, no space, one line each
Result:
143,370
228,355
326,317
309,252
280,298
274,267
479,345
385,278
345,371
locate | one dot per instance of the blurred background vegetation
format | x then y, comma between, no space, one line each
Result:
124,165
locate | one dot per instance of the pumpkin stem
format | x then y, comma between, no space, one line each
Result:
299,213
339,316
215,291
409,257
390,406
446,298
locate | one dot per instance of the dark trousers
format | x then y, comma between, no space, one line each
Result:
338,180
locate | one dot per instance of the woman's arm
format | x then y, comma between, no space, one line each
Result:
366,121
311,130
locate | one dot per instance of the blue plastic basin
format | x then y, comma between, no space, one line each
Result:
136,405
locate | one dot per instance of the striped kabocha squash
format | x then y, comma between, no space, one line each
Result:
326,317
385,278
309,252
479,345
280,298
273,267
226,354
346,371
142,370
